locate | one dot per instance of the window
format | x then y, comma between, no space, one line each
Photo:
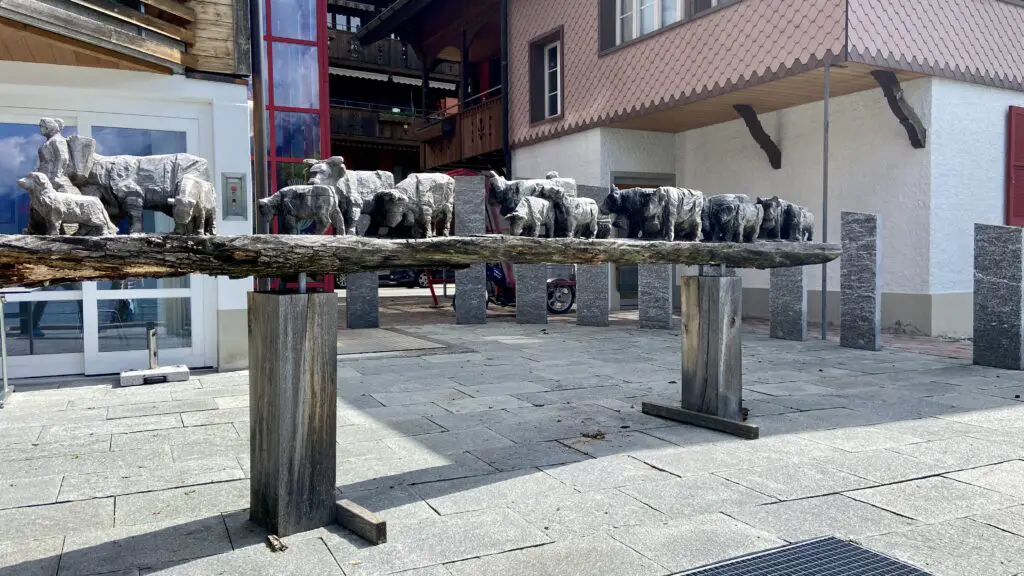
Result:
552,80
625,20
546,76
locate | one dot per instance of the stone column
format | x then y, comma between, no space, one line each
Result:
655,297
293,385
470,218
362,301
531,293
998,295
860,282
592,288
787,303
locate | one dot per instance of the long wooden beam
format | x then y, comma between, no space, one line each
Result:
39,260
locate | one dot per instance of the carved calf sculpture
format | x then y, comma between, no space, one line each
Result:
304,202
195,210
574,217
628,207
403,209
58,208
441,189
507,194
797,224
532,214
355,188
733,218
675,211
774,211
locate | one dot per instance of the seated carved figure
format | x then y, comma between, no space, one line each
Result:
304,202
58,208
195,211
797,224
574,217
530,216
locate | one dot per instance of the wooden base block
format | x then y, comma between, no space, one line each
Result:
362,522
736,428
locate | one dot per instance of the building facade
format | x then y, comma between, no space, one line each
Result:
159,78
649,92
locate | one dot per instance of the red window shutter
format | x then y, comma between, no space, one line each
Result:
1015,171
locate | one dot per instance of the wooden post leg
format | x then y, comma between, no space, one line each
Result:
293,351
712,372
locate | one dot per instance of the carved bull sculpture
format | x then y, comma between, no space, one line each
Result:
628,208
530,216
58,208
797,223
574,217
733,218
441,190
355,188
675,211
410,211
195,211
507,194
127,185
293,204
771,225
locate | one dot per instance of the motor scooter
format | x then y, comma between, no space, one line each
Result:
500,292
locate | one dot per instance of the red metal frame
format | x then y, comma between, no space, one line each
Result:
326,283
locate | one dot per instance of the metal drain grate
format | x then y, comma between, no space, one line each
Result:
821,557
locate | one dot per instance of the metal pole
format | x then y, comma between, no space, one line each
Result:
302,283
259,137
151,344
3,349
824,207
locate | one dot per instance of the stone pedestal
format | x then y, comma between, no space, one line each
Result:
362,300
860,324
531,293
787,303
998,295
592,286
655,296
712,374
293,370
470,219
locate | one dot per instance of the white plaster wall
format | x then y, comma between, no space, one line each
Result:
968,144
574,156
221,110
636,151
873,168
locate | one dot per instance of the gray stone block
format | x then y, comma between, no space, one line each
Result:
933,500
787,303
592,298
861,282
159,375
362,306
998,295
531,293
470,218
655,296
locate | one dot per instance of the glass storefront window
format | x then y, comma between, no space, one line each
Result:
296,76
19,155
45,327
291,174
122,323
293,19
297,135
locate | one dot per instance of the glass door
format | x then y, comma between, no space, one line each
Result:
118,313
45,333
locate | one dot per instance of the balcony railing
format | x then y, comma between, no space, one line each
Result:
387,54
455,135
365,120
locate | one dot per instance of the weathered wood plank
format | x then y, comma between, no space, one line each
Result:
175,7
39,260
736,428
712,376
362,522
293,349
243,46
141,19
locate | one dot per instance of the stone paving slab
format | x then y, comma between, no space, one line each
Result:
883,466
31,557
182,503
609,472
586,513
934,499
1009,519
696,496
955,548
302,558
29,491
597,555
503,489
792,481
833,515
1007,478
56,519
529,455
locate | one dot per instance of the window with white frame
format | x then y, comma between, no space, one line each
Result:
626,20
552,79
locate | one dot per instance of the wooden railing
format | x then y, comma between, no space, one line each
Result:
465,134
386,54
365,123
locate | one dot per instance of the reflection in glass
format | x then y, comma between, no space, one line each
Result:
122,323
45,327
297,135
19,155
296,76
111,141
293,19
291,174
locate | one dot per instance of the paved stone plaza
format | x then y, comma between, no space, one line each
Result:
517,450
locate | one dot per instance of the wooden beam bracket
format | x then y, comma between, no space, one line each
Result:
771,149
902,109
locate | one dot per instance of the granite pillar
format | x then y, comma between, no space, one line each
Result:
998,295
787,302
655,296
362,302
470,219
531,293
860,282
592,291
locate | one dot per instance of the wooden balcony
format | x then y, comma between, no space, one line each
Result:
387,54
156,35
375,126
462,137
